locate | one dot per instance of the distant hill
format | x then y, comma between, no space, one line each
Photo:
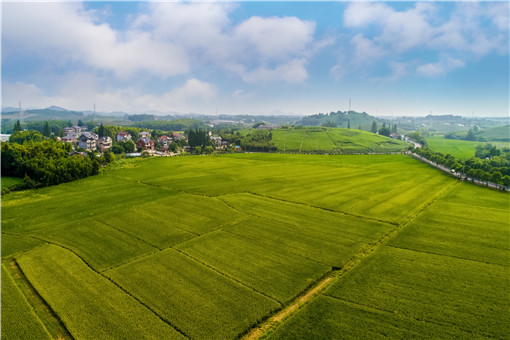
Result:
341,119
44,114
56,108
10,109
498,134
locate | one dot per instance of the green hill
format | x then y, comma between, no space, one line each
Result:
333,140
341,119
499,134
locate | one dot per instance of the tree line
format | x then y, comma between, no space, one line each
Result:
494,168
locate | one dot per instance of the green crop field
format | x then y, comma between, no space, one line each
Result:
334,139
212,246
462,149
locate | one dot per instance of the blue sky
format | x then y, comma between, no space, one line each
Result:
390,58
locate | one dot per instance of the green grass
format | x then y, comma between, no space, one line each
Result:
90,306
18,319
470,296
333,139
8,182
199,301
500,133
271,271
100,246
444,228
211,245
461,149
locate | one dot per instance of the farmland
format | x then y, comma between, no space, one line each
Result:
333,140
210,247
461,149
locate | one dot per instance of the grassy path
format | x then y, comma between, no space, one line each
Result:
312,292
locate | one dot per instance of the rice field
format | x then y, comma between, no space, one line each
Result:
462,149
210,247
338,140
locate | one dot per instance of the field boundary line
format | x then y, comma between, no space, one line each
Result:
125,233
446,255
226,275
322,208
117,285
374,309
35,299
309,294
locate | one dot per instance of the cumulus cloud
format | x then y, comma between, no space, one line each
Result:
168,39
471,30
66,32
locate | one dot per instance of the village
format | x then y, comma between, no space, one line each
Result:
172,144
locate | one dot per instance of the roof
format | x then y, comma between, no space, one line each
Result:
164,137
144,133
145,140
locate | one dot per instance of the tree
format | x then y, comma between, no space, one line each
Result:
496,177
384,131
209,149
394,129
69,123
374,127
471,135
348,123
80,123
506,180
46,131
17,127
359,127
101,131
198,150
117,149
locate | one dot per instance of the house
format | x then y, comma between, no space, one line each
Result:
70,137
177,136
88,141
144,134
395,135
69,129
104,143
145,143
123,136
164,140
217,142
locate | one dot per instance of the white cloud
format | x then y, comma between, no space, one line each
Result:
385,32
441,67
64,32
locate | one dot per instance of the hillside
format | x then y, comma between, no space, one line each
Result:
333,140
341,119
207,247
499,134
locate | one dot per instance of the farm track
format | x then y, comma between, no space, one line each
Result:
313,291
53,324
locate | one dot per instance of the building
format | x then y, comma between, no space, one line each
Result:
217,142
164,140
104,143
144,134
177,136
123,136
88,141
145,144
70,137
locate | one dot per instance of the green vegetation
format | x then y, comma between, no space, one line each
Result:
499,134
334,140
18,319
444,275
461,149
208,247
90,305
199,293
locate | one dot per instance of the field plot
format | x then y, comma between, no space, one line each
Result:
18,319
273,272
90,305
199,301
462,149
207,247
446,274
101,246
333,139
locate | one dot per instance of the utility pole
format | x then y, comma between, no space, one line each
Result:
349,104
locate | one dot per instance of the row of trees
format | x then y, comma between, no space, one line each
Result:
495,169
48,162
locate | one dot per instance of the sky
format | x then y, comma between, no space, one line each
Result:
383,58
